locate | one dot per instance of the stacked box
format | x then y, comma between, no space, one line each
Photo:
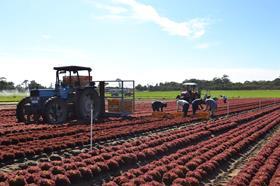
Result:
114,105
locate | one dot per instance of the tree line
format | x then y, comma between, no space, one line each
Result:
217,83
25,85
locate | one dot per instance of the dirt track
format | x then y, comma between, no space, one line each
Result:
7,106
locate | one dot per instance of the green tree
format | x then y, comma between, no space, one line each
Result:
25,83
5,85
34,85
225,79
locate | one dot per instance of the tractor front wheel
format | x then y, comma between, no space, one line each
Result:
55,111
21,112
88,99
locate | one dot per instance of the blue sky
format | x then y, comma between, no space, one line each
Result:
149,41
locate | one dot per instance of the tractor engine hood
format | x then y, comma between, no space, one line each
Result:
42,93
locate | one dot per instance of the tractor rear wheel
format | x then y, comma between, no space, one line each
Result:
55,111
87,99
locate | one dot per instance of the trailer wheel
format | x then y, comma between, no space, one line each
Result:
55,111
88,97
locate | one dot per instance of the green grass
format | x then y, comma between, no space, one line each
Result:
248,93
11,98
214,93
172,94
156,94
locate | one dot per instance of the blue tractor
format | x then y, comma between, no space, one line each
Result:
74,96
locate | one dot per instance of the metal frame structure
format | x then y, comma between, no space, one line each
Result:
104,97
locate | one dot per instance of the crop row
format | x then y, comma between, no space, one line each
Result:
191,147
260,169
193,164
14,128
275,180
8,115
57,138
53,140
20,128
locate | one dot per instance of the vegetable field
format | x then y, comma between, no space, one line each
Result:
240,147
170,95
214,93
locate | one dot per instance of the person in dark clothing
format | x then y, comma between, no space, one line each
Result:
196,104
224,98
158,106
185,96
196,95
186,109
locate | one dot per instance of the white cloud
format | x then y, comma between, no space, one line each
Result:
111,17
206,45
46,36
194,28
202,46
112,9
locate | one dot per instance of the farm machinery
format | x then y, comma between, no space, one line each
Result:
190,92
75,97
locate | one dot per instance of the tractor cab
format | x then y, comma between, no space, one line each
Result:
73,76
191,91
70,79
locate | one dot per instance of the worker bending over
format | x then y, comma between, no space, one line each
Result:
211,106
197,104
184,104
224,98
158,106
